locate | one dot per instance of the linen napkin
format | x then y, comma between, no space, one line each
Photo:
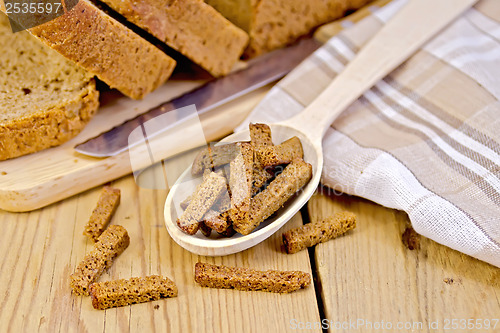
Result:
425,139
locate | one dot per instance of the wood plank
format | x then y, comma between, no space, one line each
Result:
43,247
370,275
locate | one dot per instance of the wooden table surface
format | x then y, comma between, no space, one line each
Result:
367,278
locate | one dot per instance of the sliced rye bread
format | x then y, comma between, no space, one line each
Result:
190,27
45,99
275,23
106,48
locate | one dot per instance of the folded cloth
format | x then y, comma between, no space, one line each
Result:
425,139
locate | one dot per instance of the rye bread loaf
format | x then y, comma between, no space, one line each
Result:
106,48
45,99
190,27
274,23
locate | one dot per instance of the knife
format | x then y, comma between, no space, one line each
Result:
260,71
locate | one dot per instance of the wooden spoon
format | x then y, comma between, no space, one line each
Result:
413,25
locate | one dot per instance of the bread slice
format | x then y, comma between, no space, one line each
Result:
191,27
274,23
45,99
106,48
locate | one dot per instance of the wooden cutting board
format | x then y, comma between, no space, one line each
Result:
40,179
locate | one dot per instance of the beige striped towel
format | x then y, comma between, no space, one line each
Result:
426,139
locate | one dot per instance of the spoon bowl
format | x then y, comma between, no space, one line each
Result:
413,25
218,245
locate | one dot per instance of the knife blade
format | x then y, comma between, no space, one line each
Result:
259,72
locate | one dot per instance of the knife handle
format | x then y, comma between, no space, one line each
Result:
327,31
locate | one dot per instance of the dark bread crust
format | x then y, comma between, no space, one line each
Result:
229,231
276,23
205,229
48,128
248,279
217,221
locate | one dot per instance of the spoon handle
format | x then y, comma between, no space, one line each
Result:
411,27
